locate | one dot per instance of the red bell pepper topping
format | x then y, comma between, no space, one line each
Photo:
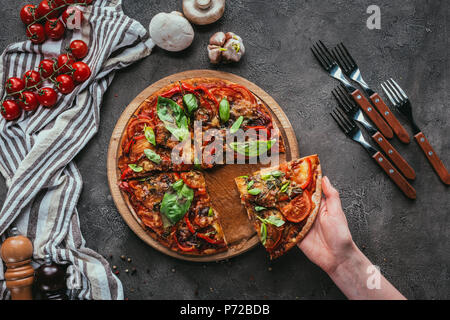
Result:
189,224
125,173
133,141
208,239
171,92
182,248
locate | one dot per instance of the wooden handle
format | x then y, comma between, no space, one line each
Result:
390,118
394,175
373,114
437,164
395,156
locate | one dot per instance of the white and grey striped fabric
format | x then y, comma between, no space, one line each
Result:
36,151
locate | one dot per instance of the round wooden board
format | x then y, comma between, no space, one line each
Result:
221,187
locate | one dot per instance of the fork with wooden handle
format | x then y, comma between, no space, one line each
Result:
347,105
350,129
401,101
351,69
327,61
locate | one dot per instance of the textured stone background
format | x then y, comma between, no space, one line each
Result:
409,240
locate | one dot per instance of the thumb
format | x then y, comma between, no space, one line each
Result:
333,200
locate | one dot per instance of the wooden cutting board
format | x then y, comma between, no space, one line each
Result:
221,187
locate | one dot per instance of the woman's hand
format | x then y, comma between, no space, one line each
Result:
329,241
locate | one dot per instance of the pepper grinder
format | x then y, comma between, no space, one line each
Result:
51,280
16,252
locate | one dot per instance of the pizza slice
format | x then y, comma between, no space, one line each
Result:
282,202
176,210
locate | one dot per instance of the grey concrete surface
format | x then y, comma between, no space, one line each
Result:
409,240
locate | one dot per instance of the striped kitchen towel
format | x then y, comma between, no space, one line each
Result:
37,150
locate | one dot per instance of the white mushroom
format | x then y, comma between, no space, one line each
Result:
171,31
227,47
203,11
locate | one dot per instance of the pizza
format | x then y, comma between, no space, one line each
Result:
176,210
282,202
161,157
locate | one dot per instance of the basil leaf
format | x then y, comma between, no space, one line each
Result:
224,110
243,177
177,201
254,192
285,186
150,135
236,125
252,148
277,222
190,102
263,233
135,167
210,212
173,117
277,173
250,184
258,208
152,155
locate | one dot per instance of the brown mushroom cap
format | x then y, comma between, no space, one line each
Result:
203,11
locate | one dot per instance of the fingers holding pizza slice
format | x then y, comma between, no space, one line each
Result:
282,202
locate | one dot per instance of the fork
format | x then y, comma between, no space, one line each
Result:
401,101
351,70
350,129
348,106
326,60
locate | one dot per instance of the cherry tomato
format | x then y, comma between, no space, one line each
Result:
14,85
31,78
47,67
28,101
47,97
70,13
65,61
298,209
36,33
302,173
82,71
78,48
54,29
10,110
45,7
27,13
64,83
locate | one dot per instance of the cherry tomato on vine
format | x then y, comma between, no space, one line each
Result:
82,71
47,97
47,67
31,78
54,29
70,13
10,110
66,59
14,84
78,48
36,33
45,7
27,14
28,101
64,83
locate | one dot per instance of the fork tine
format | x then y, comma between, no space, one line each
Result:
349,57
341,100
349,123
340,59
391,95
319,58
326,51
343,59
350,102
399,89
335,118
